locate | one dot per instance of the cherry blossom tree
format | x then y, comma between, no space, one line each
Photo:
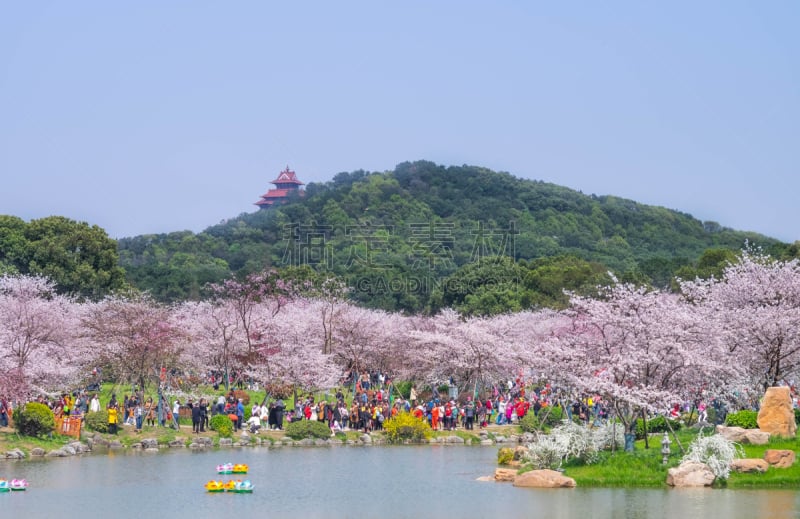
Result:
366,339
637,348
756,306
294,355
247,295
135,336
35,333
478,350
217,340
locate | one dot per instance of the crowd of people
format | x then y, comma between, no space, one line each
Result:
374,400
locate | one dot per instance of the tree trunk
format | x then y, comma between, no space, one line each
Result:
644,425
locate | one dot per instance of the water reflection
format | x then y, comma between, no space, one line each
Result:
359,482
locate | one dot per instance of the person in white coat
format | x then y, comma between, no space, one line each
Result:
94,405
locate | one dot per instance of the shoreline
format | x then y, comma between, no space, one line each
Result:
13,447
622,470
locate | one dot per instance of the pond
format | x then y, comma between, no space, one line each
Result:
331,482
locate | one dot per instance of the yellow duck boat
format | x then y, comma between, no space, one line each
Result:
240,469
215,486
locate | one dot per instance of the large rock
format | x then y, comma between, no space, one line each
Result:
204,440
80,448
749,465
58,453
780,459
756,437
99,440
734,434
776,415
740,435
505,474
690,474
543,479
15,454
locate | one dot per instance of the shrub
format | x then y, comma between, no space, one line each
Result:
222,424
553,417
34,419
529,423
278,390
546,453
404,388
607,436
745,419
308,429
505,456
797,416
244,395
716,452
655,425
97,421
567,441
406,426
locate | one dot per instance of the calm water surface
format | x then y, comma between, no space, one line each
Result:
358,482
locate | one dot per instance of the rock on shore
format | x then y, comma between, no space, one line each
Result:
544,478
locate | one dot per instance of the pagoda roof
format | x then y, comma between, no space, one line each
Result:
287,176
277,193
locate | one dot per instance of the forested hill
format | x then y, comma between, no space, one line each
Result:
396,236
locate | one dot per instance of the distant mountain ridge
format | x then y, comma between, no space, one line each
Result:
421,223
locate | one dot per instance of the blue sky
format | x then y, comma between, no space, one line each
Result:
147,117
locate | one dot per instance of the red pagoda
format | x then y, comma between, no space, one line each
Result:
285,185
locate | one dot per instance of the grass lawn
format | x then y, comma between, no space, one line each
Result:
643,468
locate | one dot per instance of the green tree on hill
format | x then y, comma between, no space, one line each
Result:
79,258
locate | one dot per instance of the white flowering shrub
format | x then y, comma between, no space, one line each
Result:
580,441
716,452
547,452
568,441
608,436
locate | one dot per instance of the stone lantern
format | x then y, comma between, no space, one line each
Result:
665,448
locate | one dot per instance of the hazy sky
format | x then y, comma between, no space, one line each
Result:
153,116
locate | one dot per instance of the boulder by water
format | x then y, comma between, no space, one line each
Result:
15,454
690,474
544,478
505,474
776,415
